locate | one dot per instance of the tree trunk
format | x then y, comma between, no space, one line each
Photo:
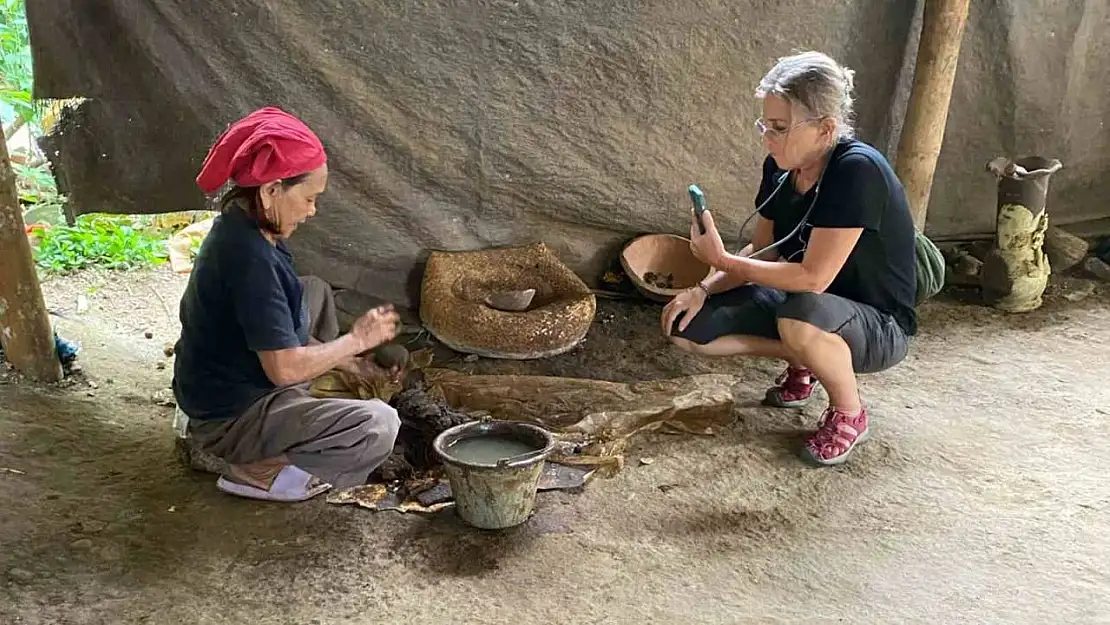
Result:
923,132
25,331
10,131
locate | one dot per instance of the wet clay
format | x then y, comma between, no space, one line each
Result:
423,416
390,356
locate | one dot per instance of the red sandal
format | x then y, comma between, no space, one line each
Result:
837,435
792,388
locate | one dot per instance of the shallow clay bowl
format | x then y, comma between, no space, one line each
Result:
662,254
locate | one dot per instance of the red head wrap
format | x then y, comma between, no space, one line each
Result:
267,145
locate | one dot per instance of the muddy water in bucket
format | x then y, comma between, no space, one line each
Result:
494,468
488,449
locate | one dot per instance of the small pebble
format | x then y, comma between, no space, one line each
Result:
93,526
167,349
471,358
646,461
1080,292
160,366
82,543
148,334
1097,267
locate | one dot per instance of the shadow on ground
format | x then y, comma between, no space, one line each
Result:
104,526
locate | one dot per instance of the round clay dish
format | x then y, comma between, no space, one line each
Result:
654,261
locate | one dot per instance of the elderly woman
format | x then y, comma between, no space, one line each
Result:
254,335
837,296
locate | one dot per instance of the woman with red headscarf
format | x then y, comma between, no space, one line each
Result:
254,335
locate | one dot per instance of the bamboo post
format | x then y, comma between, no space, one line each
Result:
25,331
942,30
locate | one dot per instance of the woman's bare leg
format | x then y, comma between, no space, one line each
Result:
735,345
828,356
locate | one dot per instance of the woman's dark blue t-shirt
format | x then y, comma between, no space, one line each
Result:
243,297
858,190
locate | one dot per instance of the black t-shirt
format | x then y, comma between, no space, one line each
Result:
243,297
859,190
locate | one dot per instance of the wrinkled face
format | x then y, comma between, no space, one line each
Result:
794,143
289,206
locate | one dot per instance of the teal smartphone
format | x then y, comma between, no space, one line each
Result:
698,198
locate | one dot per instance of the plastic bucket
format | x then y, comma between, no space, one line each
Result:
495,494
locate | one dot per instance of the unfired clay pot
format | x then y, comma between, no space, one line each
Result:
1015,272
666,255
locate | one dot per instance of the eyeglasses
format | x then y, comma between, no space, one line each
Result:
775,134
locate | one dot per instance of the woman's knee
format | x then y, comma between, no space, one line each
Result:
801,305
809,321
796,334
313,281
802,317
380,423
794,320
699,332
315,288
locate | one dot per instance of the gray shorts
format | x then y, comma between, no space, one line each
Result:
876,340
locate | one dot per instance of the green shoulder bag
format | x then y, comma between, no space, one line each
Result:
930,267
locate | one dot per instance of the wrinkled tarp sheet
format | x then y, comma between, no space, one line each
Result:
592,421
465,125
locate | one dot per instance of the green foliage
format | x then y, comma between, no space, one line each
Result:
35,184
16,69
110,241
107,241
39,196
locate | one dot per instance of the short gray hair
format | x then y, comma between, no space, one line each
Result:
816,83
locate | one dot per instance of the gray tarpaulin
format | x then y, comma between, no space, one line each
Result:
467,124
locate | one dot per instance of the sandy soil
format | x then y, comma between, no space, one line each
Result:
981,499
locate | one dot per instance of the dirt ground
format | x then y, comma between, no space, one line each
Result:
982,497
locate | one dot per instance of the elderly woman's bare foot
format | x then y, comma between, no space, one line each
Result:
259,474
273,479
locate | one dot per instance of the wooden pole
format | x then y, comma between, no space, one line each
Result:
25,331
942,30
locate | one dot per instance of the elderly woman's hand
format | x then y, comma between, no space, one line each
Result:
376,327
365,367
708,247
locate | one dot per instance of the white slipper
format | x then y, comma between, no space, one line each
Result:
292,484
